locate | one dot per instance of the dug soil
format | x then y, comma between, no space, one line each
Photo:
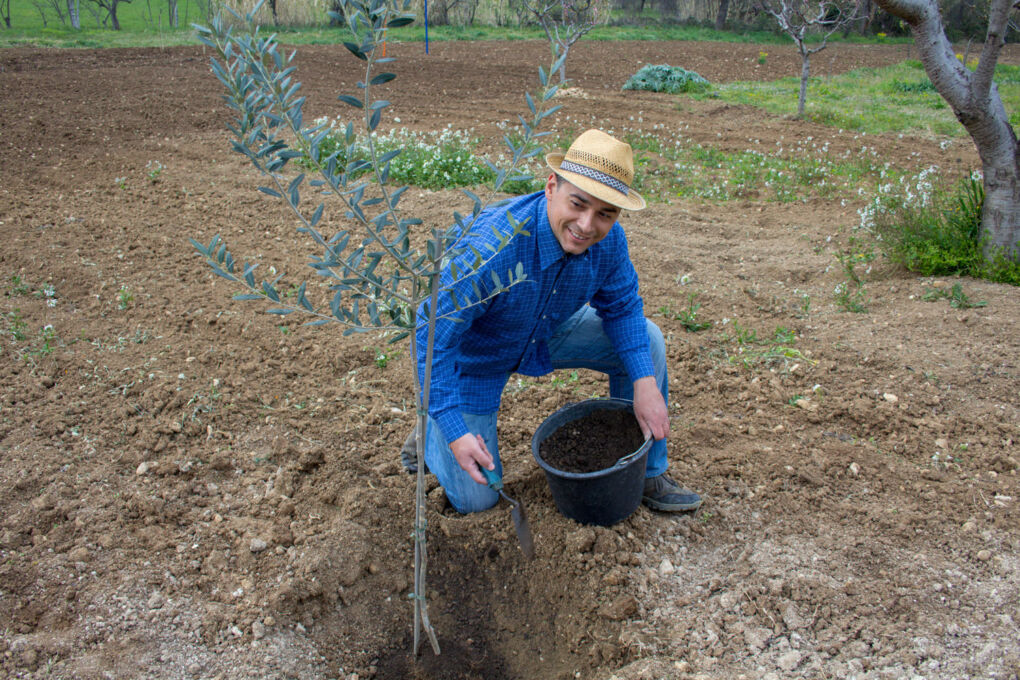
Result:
592,442
192,488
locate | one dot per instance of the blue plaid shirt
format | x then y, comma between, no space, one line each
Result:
475,354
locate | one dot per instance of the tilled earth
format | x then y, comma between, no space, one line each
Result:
195,489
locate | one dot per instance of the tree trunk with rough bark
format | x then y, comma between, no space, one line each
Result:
976,103
805,73
720,18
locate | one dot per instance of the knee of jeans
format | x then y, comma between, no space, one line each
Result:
656,340
484,499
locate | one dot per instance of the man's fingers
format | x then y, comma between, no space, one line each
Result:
481,444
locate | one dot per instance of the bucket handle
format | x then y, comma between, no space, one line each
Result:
632,455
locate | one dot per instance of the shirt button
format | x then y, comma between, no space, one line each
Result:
532,342
545,316
554,291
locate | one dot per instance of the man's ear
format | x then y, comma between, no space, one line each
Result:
550,185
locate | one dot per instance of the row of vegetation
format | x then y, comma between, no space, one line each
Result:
158,23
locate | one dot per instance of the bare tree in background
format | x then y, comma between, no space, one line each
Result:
111,11
565,21
976,103
5,12
801,18
74,13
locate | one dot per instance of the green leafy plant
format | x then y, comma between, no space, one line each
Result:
854,262
934,232
666,78
15,325
153,170
774,351
688,318
373,275
18,287
957,298
124,298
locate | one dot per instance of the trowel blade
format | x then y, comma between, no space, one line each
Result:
523,528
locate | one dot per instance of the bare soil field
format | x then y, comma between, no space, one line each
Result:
190,488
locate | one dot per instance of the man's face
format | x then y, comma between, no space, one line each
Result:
578,219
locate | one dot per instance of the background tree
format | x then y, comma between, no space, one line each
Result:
976,103
565,22
74,13
800,19
720,17
5,12
111,11
378,273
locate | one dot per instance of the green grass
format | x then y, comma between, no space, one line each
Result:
896,99
144,23
672,165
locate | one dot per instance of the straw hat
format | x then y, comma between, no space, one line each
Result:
601,166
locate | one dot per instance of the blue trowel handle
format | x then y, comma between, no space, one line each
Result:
493,479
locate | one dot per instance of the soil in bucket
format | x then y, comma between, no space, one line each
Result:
592,442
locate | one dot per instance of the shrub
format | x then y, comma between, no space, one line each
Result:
665,78
941,235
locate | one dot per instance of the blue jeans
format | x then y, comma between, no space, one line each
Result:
580,342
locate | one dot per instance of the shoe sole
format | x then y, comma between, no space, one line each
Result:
670,507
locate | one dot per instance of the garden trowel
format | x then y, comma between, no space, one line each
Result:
495,483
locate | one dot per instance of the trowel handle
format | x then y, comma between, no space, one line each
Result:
492,478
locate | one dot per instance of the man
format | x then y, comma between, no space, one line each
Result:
578,307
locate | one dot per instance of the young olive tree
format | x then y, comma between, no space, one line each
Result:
976,103
801,18
565,22
376,274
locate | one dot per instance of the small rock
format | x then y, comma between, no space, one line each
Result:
156,600
891,398
666,567
619,609
806,404
757,638
855,469
729,600
258,630
258,545
790,660
143,468
791,617
984,555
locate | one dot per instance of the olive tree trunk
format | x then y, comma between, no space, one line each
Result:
976,103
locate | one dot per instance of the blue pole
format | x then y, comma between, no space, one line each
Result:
426,26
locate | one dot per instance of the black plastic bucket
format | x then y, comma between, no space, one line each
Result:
603,497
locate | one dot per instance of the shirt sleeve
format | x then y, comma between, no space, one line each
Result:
621,309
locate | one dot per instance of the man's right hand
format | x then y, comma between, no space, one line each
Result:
471,453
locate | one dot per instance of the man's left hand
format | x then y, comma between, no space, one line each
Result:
650,408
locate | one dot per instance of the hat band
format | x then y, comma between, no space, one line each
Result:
591,173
